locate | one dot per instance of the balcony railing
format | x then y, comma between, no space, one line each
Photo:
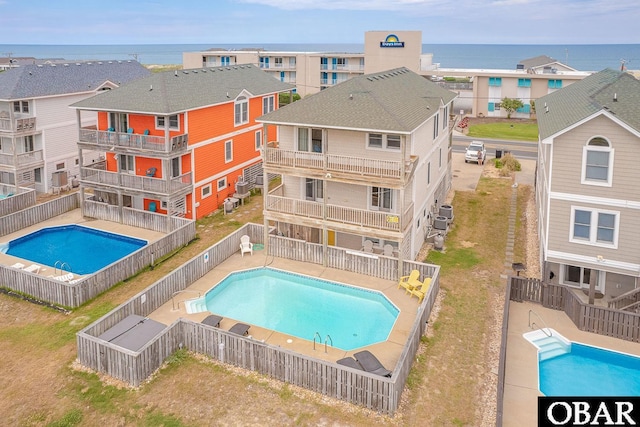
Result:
108,139
338,67
336,163
136,182
18,125
22,158
340,214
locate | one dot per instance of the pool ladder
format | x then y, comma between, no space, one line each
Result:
327,339
59,265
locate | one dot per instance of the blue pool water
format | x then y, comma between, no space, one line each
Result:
85,250
590,371
301,306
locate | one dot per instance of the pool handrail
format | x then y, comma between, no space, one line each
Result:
532,324
317,334
328,338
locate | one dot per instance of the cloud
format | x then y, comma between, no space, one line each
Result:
344,4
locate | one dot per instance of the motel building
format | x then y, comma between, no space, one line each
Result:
177,143
481,96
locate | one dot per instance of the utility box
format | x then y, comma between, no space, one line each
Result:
242,187
59,179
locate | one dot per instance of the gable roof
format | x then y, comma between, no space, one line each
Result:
584,98
397,100
538,61
34,81
173,92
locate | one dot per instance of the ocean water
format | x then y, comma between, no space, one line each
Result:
581,57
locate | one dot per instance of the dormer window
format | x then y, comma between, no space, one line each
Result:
241,110
597,161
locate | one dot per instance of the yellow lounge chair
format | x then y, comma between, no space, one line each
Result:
420,293
411,281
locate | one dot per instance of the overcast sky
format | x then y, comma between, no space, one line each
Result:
317,21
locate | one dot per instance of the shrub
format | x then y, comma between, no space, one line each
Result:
507,164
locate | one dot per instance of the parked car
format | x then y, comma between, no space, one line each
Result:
471,154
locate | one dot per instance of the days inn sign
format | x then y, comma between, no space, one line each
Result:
391,41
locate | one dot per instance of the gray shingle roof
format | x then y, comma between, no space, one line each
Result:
174,92
34,81
588,96
397,100
538,61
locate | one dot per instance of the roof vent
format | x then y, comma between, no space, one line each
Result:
175,73
615,97
150,87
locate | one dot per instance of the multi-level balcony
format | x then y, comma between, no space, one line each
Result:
17,125
337,217
393,172
97,176
105,140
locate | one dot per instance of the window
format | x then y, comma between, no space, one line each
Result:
445,117
119,122
205,191
28,144
60,166
258,140
597,160
381,199
175,167
277,62
593,226
228,151
127,163
428,173
20,106
576,276
375,140
222,183
440,159
267,104
380,141
173,122
436,126
313,189
526,108
555,84
524,82
241,110
497,106
37,175
310,140
495,81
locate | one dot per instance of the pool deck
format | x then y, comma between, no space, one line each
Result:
387,352
521,369
68,218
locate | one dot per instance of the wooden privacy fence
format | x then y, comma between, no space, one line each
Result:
74,295
591,318
15,201
354,386
35,214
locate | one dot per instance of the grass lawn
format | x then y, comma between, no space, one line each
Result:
517,130
448,383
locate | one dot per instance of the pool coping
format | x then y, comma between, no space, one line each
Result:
521,364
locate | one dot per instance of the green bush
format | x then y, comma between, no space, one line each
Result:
507,164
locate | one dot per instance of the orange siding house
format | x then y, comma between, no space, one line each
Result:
178,143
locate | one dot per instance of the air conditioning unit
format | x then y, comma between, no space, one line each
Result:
440,223
242,187
59,179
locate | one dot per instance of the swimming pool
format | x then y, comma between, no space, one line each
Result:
300,306
84,250
584,370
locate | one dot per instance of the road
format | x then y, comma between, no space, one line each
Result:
520,149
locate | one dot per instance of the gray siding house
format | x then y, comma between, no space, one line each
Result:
587,194
365,164
38,130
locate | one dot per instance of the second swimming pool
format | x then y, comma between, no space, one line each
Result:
300,306
83,250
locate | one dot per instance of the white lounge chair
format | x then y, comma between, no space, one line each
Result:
18,265
33,268
245,245
387,250
63,278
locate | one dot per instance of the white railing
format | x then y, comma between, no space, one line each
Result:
108,139
20,125
344,215
22,158
335,163
136,182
